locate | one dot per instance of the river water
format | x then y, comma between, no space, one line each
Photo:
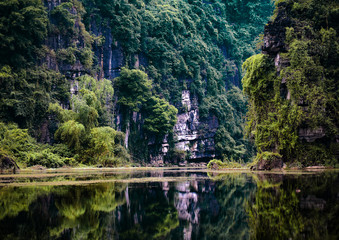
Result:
169,204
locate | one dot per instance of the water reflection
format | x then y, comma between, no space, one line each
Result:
230,206
295,207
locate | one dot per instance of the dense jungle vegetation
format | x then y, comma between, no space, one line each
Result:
192,45
168,46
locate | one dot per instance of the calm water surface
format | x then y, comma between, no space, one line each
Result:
169,204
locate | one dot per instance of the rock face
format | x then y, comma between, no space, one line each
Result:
310,135
110,55
275,163
274,34
192,135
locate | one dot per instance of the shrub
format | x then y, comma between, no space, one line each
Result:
218,164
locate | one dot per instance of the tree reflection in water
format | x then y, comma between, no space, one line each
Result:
295,207
230,206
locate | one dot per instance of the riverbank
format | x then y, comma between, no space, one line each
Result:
93,175
42,170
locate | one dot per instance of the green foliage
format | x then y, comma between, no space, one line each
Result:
179,36
63,115
26,94
48,159
184,44
227,146
72,133
266,157
18,144
85,56
272,121
187,45
311,154
259,78
230,109
102,143
71,54
85,105
134,92
135,96
75,47
103,91
160,116
216,164
66,55
134,89
15,140
63,17
23,28
78,127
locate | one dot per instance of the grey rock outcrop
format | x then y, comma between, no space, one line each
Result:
192,135
310,135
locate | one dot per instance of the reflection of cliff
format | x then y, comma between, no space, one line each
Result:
287,208
214,210
278,207
186,202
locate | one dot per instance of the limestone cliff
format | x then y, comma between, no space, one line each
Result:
275,45
293,86
193,136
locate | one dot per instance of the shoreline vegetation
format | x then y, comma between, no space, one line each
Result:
93,175
98,170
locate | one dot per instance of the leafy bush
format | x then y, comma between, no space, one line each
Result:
17,144
72,133
102,143
44,158
216,164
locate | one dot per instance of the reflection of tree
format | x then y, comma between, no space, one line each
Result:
274,214
162,219
151,215
302,207
13,201
319,205
61,212
225,217
85,209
